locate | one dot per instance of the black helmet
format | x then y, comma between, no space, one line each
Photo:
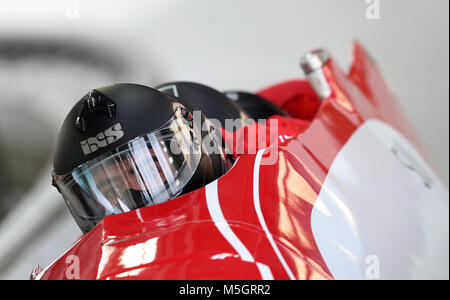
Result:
127,146
212,103
255,106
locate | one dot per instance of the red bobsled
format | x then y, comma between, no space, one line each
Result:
348,197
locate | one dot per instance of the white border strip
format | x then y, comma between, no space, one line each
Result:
212,200
260,215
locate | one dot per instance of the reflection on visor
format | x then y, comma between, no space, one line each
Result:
148,170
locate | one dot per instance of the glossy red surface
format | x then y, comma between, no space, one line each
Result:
179,239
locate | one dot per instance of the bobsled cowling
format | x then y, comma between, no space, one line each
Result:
348,197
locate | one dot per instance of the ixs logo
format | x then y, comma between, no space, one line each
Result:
102,139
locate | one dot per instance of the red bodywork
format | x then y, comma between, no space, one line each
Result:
180,239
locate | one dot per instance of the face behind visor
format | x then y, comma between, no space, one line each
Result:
128,160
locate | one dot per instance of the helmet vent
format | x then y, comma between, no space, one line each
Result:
93,103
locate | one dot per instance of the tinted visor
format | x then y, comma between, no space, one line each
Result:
148,170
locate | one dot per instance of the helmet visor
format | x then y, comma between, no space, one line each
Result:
148,170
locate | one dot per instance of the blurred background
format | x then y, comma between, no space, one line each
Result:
52,52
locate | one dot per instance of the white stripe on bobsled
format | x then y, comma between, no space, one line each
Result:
212,200
260,215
